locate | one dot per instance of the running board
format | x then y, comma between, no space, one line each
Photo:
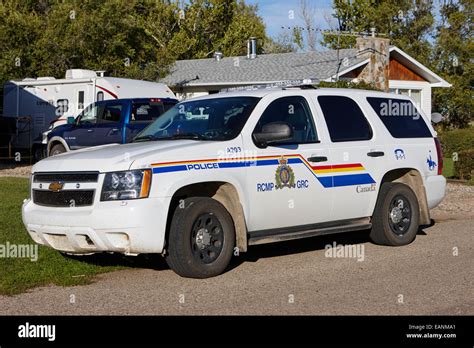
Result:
297,232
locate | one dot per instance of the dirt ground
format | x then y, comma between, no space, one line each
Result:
10,169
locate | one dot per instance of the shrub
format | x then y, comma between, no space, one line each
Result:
456,140
347,84
464,166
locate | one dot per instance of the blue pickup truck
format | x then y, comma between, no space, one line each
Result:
107,122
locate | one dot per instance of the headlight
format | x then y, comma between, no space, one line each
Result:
131,184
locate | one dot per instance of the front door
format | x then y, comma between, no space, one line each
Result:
82,133
283,187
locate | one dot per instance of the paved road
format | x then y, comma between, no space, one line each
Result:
288,278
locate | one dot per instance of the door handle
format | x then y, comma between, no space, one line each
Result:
375,154
90,130
317,159
114,130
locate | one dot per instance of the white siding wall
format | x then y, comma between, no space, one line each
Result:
424,87
189,95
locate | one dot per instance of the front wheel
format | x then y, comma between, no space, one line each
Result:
201,238
396,217
57,149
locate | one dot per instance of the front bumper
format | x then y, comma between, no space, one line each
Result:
129,227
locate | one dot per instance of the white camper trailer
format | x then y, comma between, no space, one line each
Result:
45,102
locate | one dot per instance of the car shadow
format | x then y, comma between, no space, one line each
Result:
254,253
147,261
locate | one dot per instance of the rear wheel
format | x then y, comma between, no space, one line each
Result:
396,216
201,238
57,149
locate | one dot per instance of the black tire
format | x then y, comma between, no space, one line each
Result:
201,238
57,149
396,217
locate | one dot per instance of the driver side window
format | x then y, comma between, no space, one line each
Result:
295,112
89,116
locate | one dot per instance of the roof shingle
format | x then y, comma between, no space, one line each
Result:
266,67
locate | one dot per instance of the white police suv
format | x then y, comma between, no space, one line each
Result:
217,174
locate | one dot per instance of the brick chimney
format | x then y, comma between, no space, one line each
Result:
376,72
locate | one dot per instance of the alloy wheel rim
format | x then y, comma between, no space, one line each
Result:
399,215
207,238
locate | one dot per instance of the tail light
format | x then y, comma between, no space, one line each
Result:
439,152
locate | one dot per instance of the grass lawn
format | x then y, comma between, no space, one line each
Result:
448,167
20,274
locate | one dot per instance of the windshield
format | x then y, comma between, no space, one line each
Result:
207,119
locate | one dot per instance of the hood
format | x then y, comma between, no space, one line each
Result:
113,157
58,130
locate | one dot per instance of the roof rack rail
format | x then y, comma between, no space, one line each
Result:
301,87
301,84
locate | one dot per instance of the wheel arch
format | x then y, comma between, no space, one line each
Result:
56,140
223,192
412,178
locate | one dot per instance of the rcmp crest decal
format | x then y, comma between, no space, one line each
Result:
284,175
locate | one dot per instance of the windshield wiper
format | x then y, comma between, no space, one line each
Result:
192,136
144,138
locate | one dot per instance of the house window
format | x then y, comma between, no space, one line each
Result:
415,94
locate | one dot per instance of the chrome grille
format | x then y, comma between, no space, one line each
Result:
64,193
66,177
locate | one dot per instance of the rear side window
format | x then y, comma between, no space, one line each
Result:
345,119
146,112
111,114
400,117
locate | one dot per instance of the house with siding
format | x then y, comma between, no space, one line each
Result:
373,60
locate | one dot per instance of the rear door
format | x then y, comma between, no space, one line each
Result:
357,157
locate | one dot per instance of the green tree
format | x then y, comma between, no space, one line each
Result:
453,59
20,30
407,23
135,38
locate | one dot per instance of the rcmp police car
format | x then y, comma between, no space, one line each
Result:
217,174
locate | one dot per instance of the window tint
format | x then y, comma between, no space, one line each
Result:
149,111
345,119
294,111
111,113
401,117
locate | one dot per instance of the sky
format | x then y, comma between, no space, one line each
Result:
277,13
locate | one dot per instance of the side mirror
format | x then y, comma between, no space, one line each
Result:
273,132
71,120
436,117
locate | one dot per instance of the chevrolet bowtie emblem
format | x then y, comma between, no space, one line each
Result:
56,186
